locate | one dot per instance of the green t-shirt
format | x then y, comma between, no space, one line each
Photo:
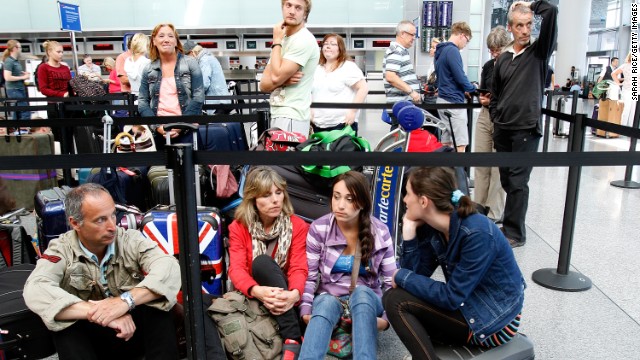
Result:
295,103
14,66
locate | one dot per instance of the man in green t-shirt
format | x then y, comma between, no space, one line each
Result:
15,77
289,74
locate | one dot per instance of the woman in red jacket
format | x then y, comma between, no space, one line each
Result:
53,81
267,251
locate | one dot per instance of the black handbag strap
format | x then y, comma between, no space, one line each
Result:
356,267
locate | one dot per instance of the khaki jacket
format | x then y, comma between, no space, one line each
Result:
65,275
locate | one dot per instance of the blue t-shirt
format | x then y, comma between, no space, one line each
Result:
344,265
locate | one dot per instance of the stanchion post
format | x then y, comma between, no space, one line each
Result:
469,131
180,160
547,122
562,278
627,183
65,147
264,121
574,111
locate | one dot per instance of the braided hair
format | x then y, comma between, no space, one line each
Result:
358,186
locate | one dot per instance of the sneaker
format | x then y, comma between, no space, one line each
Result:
515,243
407,357
290,350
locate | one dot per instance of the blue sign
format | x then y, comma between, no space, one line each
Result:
69,17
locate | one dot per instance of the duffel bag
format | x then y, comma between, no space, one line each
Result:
275,139
335,141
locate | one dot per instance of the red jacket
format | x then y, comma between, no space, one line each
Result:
241,256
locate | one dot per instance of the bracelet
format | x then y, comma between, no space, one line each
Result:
274,45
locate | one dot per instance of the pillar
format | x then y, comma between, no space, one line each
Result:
573,33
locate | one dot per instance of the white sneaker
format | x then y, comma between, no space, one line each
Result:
407,357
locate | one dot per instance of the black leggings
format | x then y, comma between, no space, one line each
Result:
266,272
417,323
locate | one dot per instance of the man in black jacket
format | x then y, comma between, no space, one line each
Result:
515,107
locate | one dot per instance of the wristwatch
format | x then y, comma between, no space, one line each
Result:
126,297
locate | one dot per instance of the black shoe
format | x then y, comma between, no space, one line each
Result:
515,244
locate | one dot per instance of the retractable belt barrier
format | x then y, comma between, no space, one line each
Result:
181,158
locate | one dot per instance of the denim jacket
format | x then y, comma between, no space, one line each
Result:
188,82
483,280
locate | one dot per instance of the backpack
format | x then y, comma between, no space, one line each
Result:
35,77
246,328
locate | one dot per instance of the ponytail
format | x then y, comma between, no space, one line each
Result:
7,52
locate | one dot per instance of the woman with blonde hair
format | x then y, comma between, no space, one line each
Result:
53,81
337,79
629,105
267,255
171,85
135,64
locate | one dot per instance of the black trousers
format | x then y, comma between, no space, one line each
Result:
266,272
155,338
515,179
213,345
417,323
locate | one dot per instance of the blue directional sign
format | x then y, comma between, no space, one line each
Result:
69,17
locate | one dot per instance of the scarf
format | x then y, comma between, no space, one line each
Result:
281,231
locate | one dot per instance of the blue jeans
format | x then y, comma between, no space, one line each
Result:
365,308
19,93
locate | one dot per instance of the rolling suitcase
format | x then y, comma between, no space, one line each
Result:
51,219
15,246
160,225
126,185
222,137
309,201
24,184
86,140
24,334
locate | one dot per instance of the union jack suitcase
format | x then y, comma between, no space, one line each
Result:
161,226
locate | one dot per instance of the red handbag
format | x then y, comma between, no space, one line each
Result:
275,139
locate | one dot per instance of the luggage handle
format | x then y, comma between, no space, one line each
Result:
194,128
106,133
11,344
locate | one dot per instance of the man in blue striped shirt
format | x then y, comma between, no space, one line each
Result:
400,80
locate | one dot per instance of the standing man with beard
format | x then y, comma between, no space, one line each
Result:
515,106
289,75
104,292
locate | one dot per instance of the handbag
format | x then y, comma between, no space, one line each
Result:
275,139
344,139
341,345
246,327
84,87
142,141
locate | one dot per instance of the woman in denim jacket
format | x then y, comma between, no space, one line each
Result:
481,299
171,84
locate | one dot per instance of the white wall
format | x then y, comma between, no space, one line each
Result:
42,15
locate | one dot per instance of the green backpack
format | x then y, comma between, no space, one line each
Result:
334,141
246,327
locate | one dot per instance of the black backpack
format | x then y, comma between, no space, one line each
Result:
35,77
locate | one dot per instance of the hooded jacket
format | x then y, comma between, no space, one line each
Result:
452,82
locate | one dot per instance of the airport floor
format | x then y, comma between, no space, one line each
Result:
602,322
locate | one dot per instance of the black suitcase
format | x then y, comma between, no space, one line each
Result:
86,139
15,246
26,335
309,201
51,218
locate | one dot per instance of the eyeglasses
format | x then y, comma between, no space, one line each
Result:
466,37
412,34
330,44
